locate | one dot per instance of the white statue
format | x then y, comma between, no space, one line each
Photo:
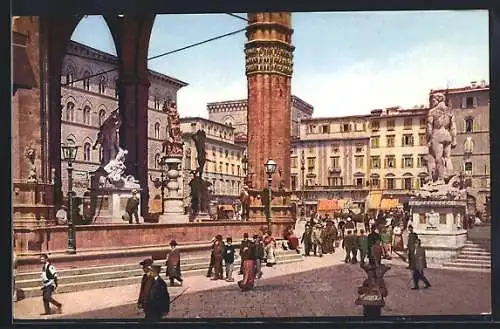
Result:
116,167
459,221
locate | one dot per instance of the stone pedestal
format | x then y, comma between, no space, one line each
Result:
435,222
110,205
174,205
32,203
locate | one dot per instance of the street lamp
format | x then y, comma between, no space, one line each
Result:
162,182
69,151
270,168
244,162
302,169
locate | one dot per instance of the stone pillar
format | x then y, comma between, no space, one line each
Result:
174,205
269,64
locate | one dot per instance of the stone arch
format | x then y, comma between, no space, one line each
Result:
86,102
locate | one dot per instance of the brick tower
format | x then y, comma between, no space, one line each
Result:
269,55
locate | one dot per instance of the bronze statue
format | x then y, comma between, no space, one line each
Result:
108,137
441,137
199,139
173,144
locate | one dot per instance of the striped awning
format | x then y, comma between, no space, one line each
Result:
387,204
326,205
374,199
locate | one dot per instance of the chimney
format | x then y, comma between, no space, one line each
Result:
473,84
483,84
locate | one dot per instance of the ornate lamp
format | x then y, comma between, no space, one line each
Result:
69,151
270,169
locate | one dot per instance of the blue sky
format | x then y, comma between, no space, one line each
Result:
344,63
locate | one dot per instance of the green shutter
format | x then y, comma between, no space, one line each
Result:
476,125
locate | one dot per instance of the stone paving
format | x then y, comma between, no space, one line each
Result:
315,287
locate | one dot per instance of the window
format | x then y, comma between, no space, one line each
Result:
294,162
335,162
325,129
226,154
86,115
86,80
390,124
102,84
421,161
422,139
102,116
238,170
375,182
408,123
422,181
468,145
157,161
469,102
345,127
423,123
69,78
311,164
469,125
407,162
156,103
390,161
310,129
375,142
407,140
227,168
407,183
390,141
359,159
232,155
117,88
157,130
359,149
389,183
335,181
294,183
375,162
375,125
442,219
220,167
359,182
468,168
213,152
87,152
70,112
232,168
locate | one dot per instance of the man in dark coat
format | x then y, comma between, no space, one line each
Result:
211,265
132,207
306,239
373,238
412,242
174,264
418,266
146,282
244,244
158,300
348,245
218,253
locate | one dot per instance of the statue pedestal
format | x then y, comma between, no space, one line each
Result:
173,202
435,221
109,205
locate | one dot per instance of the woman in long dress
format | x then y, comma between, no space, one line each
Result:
249,255
270,247
398,239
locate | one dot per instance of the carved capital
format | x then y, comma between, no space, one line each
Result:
269,58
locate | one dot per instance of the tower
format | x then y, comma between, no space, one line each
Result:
269,62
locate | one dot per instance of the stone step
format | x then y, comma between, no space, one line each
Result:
466,248
475,253
106,283
132,271
467,266
478,257
472,261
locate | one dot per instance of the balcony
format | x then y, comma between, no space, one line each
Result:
332,170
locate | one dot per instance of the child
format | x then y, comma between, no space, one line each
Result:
229,259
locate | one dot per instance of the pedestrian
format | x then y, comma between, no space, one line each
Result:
243,244
363,246
211,264
376,253
419,265
146,282
412,242
49,285
270,250
158,299
387,241
132,207
229,259
347,245
398,238
259,246
341,228
218,253
354,250
248,258
306,239
173,264
372,238
62,215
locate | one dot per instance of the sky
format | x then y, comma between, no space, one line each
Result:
345,63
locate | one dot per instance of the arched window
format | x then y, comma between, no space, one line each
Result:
102,116
157,130
156,103
86,115
468,145
86,80
469,125
70,76
102,84
70,111
157,161
87,152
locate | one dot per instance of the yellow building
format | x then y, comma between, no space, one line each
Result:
350,158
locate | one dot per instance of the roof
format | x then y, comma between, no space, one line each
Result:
459,90
193,119
401,113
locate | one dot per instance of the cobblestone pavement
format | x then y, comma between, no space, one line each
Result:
316,287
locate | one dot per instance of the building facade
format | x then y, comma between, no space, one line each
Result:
86,104
234,113
471,156
223,167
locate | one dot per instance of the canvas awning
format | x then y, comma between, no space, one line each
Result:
327,205
387,204
226,207
343,203
374,199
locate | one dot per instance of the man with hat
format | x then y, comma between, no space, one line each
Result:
158,300
174,264
244,244
211,264
146,282
132,207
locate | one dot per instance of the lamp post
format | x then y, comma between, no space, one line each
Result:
162,183
270,168
244,162
302,169
69,151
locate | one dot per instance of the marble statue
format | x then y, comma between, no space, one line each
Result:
441,136
30,155
459,221
116,171
199,140
108,138
173,145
